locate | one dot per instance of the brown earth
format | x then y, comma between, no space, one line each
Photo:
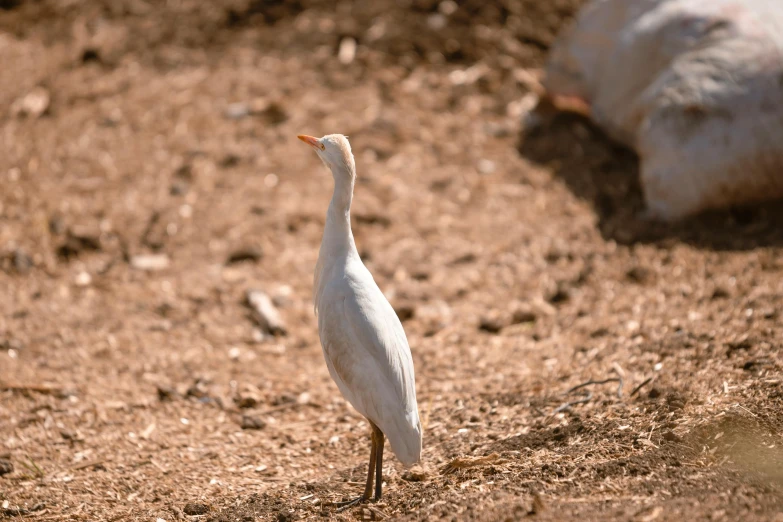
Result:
135,128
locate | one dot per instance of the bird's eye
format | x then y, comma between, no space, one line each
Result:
323,147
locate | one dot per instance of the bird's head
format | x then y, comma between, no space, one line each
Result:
335,151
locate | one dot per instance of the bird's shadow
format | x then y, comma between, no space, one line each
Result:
606,174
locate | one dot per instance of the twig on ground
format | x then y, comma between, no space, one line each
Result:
567,405
644,383
47,390
589,396
618,380
88,464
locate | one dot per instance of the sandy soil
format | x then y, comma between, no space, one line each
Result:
134,128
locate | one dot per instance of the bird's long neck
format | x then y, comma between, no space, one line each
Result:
338,238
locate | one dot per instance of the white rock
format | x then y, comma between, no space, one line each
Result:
694,86
150,262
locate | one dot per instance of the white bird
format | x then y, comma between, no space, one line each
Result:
362,338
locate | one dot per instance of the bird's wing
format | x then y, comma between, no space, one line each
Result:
369,359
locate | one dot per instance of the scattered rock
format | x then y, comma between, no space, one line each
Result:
166,393
198,389
492,323
240,255
57,225
22,262
485,166
559,296
252,423
464,259
744,343
436,21
183,177
6,467
229,160
420,275
721,292
82,279
405,311
599,332
11,344
282,516
249,397
755,364
179,187
70,435
246,401
284,398
79,239
237,111
195,508
347,50
272,112
523,314
155,233
639,274
282,295
33,104
91,54
150,262
265,312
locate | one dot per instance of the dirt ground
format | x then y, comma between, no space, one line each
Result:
164,133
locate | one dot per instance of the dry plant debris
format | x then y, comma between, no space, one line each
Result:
124,388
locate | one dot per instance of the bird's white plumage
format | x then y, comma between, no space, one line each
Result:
363,341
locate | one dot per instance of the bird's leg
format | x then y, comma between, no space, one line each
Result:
379,461
370,472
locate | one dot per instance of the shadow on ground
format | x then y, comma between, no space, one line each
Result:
607,174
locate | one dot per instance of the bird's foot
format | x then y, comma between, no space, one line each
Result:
347,504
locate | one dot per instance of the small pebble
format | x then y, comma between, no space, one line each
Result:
250,253
347,50
405,312
491,324
6,467
448,7
252,423
639,274
436,21
237,111
34,104
523,315
166,393
486,166
195,508
83,279
265,312
22,262
150,262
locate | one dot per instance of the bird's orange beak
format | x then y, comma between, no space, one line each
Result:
313,142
